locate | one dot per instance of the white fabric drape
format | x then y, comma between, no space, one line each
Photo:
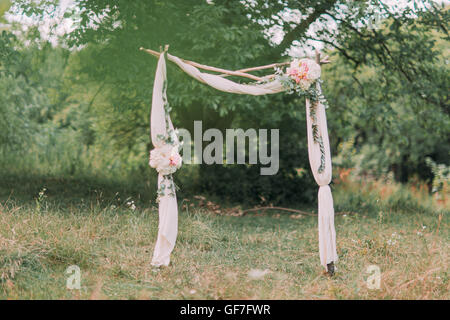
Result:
226,85
168,208
168,211
327,233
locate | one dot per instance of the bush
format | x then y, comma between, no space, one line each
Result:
293,183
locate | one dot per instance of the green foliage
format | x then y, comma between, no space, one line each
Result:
441,174
214,32
384,123
19,100
386,87
8,55
4,6
293,184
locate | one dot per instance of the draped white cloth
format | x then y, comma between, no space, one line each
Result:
168,211
327,233
168,208
226,85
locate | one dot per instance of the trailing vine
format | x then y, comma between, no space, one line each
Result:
166,159
311,91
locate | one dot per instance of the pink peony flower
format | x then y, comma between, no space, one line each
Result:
175,159
165,159
304,71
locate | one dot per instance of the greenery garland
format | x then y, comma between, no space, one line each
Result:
170,138
315,96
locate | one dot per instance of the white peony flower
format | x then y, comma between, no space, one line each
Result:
304,72
166,159
314,70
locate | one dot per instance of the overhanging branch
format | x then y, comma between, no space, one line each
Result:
303,27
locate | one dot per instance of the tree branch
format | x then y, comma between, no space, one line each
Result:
302,27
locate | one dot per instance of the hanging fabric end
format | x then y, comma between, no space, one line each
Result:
327,233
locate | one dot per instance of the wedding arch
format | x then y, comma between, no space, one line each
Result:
301,77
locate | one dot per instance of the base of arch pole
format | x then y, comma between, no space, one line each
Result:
330,269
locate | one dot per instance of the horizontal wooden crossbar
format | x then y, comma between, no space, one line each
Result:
241,72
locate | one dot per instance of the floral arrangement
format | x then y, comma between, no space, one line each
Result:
304,72
302,77
166,158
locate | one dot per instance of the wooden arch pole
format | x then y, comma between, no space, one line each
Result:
239,73
205,67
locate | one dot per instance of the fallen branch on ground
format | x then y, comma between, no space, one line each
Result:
293,210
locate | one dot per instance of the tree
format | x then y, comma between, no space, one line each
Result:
399,111
236,34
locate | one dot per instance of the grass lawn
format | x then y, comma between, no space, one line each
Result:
216,255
